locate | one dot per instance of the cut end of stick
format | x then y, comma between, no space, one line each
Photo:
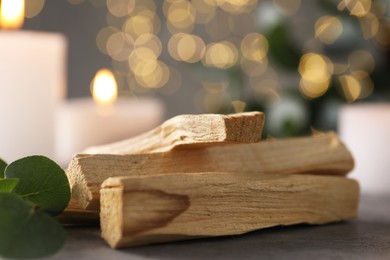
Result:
250,125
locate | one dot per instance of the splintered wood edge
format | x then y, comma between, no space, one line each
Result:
114,189
80,189
190,131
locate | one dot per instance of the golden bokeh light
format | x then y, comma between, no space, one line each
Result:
383,35
351,87
287,7
180,15
151,74
370,25
234,6
173,84
120,8
254,68
361,60
314,87
191,48
267,91
137,25
328,29
104,87
213,97
239,106
357,8
103,36
33,8
186,47
151,42
118,47
215,87
221,55
254,46
356,85
316,71
204,11
141,55
11,14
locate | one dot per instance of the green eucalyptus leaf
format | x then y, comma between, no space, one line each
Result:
3,164
8,185
25,232
42,182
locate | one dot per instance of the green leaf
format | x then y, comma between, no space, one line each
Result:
42,182
25,232
2,168
8,185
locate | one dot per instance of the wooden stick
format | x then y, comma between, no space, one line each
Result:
312,155
153,209
74,214
189,131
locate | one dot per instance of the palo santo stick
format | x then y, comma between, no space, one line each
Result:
189,131
153,209
75,214
313,155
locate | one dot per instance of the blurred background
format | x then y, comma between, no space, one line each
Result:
297,60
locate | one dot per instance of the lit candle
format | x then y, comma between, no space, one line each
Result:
32,82
85,122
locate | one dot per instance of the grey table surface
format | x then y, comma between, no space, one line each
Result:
367,237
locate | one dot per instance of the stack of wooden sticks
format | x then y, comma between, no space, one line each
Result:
210,175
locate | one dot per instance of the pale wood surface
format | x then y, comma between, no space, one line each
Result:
141,210
74,214
189,131
323,154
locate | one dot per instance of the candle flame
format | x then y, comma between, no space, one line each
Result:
11,14
104,87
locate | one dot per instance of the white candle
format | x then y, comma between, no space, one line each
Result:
32,82
81,123
365,129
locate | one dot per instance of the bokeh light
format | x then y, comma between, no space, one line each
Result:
221,55
361,60
180,15
328,29
186,47
357,8
370,25
120,8
356,85
137,25
254,47
316,71
33,8
287,7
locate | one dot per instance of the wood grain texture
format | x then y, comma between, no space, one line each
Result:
189,131
323,154
74,214
141,210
